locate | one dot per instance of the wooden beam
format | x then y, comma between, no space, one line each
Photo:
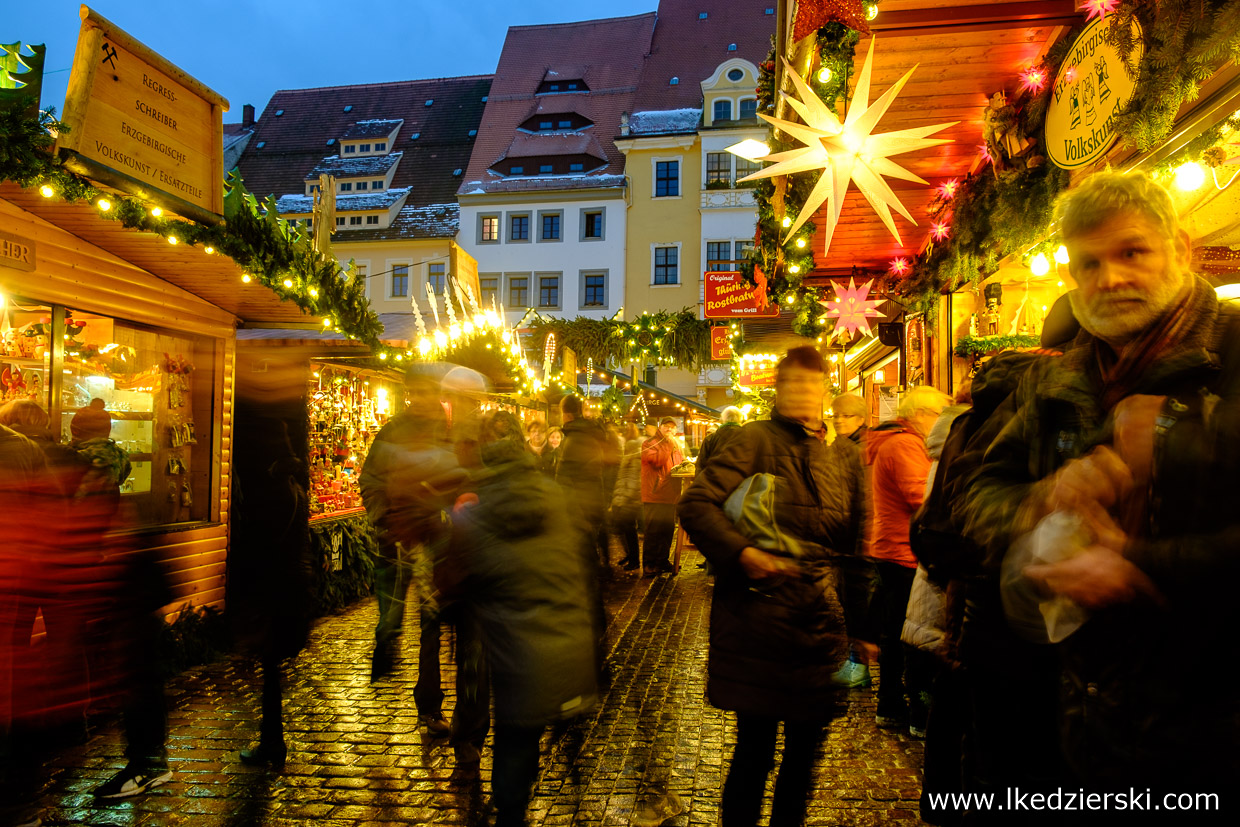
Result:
959,19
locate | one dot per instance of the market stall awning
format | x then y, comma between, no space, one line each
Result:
660,402
214,278
965,52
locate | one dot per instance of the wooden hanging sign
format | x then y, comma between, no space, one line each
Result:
141,124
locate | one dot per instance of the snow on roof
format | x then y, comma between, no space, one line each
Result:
544,182
665,121
372,128
355,167
434,221
304,204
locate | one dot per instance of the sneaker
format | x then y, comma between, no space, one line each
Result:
852,675
436,725
133,781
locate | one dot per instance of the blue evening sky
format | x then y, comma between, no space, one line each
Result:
247,49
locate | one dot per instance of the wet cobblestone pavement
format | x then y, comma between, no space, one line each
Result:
358,757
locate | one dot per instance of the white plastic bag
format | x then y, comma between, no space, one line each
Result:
1059,536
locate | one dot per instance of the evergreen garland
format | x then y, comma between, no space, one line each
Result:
1185,42
967,346
664,338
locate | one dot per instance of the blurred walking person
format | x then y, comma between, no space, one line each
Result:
776,624
520,572
270,573
410,477
626,499
660,454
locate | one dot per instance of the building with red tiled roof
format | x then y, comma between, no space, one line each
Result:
687,212
543,199
396,153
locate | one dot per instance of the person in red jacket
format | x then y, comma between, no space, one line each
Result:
899,465
660,454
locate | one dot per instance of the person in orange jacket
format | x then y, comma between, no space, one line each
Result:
899,465
660,454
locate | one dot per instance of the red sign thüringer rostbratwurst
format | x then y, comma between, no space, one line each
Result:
727,296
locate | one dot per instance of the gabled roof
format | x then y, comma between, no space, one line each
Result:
374,128
607,54
298,204
296,141
691,48
353,167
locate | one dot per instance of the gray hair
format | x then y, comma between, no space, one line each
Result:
731,414
1104,195
922,398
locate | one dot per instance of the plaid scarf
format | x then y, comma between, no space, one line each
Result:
1123,371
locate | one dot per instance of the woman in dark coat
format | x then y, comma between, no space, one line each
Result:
519,568
776,626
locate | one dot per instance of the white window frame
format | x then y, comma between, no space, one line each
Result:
654,177
680,263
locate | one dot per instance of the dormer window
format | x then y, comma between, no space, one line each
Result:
430,101
331,141
576,167
362,185
349,149
749,109
457,172
260,144
516,170
731,47
674,81
415,136
544,126
564,125
560,121
473,133
723,110
544,169
376,185
561,86
347,186
363,147
381,146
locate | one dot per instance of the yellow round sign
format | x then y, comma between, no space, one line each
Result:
1093,87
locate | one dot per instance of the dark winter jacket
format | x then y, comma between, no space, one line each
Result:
410,476
580,469
714,443
628,492
1125,718
524,577
773,647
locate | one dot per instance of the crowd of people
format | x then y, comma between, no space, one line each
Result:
1017,566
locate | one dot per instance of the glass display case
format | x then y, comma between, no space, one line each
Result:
25,352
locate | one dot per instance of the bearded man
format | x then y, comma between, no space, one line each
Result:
1131,437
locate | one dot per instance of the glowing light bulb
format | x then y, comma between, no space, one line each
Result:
245,277
792,268
791,299
46,191
1039,265
787,222
172,239
1189,176
383,356
441,339
156,211
825,74
104,204
424,345
1061,255
871,11
288,282
801,243
208,250
314,293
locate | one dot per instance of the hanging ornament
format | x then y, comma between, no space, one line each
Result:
899,266
947,190
1033,79
1098,8
851,308
417,314
848,151
812,15
940,230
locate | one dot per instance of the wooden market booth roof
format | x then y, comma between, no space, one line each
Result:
965,51
213,278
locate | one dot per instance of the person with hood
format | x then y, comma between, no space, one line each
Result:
776,624
519,572
895,453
